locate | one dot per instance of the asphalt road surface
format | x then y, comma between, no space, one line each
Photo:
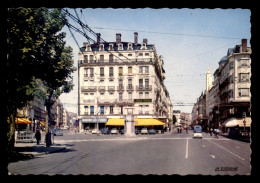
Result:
169,153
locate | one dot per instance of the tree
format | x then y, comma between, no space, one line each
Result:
34,49
52,87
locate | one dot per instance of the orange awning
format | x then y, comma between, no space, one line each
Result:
21,121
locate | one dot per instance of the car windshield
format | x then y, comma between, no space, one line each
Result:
197,129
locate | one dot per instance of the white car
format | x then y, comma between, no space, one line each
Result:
114,131
197,131
144,131
94,131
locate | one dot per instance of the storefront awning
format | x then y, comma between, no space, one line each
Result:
232,122
138,122
115,122
21,121
148,122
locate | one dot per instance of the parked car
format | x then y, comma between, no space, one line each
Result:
197,131
122,131
58,132
114,131
144,131
152,131
105,131
94,131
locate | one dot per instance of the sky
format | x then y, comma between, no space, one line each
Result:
189,40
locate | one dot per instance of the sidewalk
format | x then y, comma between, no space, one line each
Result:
31,148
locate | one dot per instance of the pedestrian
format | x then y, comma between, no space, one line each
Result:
216,132
178,128
38,136
211,131
186,129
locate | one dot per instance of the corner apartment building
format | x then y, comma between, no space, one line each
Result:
116,75
229,95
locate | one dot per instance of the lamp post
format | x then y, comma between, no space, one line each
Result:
244,121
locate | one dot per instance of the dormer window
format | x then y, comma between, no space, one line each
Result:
88,48
120,46
101,47
110,47
143,47
130,46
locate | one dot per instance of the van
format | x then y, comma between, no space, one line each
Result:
197,131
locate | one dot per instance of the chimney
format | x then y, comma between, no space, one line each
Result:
136,38
145,41
85,43
244,45
118,38
98,38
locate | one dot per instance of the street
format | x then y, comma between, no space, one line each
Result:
169,153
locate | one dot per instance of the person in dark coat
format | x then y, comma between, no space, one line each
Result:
38,136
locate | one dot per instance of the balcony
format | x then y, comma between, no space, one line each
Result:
101,88
144,88
88,88
130,87
89,101
111,88
125,101
120,88
106,101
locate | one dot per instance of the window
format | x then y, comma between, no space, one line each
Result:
91,59
111,82
130,84
86,110
102,58
140,54
140,95
120,54
91,72
147,54
140,69
102,110
121,107
120,46
85,82
243,92
101,71
140,109
92,96
130,46
140,83
147,109
111,109
102,81
91,109
102,95
147,69
111,95
120,71
243,77
120,96
110,47
130,96
85,59
120,83
101,47
85,72
146,83
111,73
146,95
129,70
130,55
110,58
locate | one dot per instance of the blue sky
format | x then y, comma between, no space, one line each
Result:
190,41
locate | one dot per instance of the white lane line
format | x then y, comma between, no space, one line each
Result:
212,156
227,150
187,147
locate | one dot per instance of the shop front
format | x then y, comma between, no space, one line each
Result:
90,123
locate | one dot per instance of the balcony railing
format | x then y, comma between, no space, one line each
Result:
125,101
111,88
120,87
89,101
129,87
144,87
101,88
106,101
88,88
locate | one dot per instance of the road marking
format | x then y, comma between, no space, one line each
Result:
187,147
227,150
203,145
237,147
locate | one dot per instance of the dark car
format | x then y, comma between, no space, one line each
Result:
152,131
136,131
122,131
105,131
